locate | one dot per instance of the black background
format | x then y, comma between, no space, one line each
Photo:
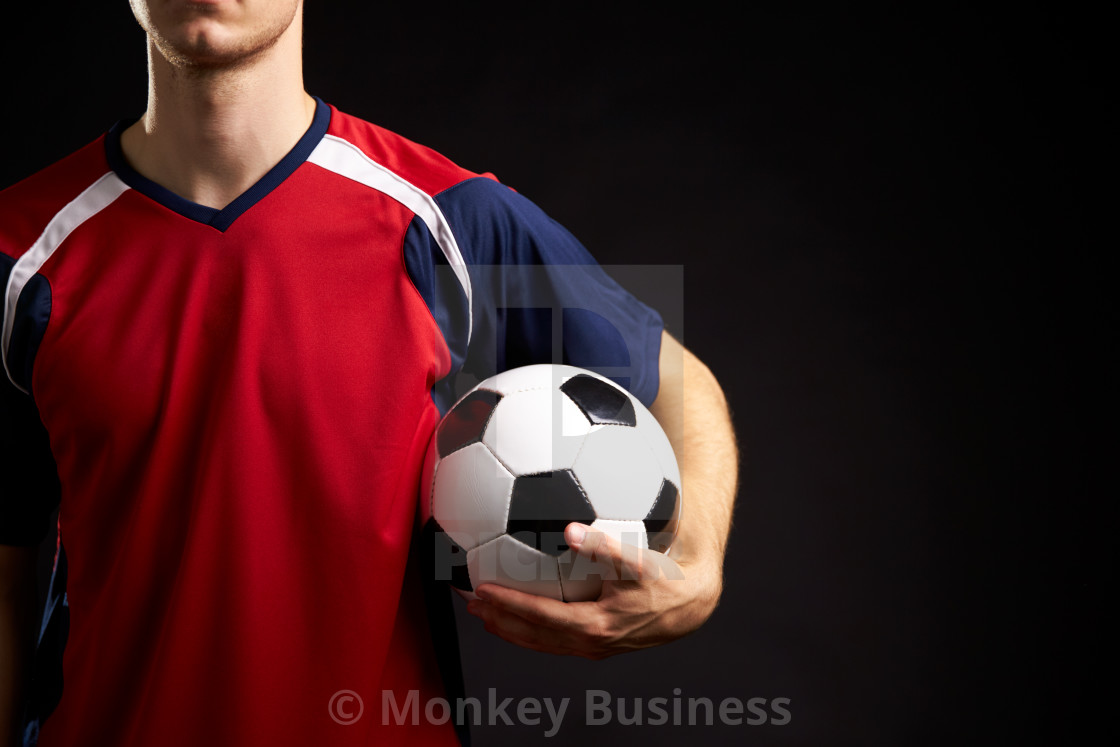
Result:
883,222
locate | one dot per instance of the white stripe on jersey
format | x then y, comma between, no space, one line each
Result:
89,203
346,159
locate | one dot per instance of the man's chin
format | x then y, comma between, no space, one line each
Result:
205,54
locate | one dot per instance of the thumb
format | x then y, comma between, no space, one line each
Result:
628,562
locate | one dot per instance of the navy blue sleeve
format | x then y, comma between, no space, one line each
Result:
540,297
29,487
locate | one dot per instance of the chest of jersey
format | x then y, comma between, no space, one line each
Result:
288,303
169,341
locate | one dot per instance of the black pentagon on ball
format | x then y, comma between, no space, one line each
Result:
465,422
443,558
661,521
542,505
601,402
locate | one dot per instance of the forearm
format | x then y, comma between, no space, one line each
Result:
693,411
17,635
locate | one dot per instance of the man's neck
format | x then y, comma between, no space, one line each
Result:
210,134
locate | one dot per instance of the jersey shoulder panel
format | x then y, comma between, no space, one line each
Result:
27,206
424,168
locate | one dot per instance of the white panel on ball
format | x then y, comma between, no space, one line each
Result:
511,563
471,495
616,493
628,532
659,444
540,376
538,430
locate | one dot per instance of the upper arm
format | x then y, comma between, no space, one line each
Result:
668,406
690,405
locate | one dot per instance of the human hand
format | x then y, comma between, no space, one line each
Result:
650,599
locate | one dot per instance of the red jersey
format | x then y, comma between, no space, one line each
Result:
230,409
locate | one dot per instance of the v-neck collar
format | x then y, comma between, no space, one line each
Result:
213,217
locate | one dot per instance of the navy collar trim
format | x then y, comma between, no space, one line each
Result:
213,217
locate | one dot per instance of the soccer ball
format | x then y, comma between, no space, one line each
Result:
525,453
